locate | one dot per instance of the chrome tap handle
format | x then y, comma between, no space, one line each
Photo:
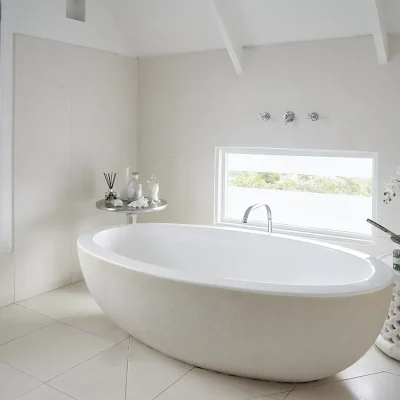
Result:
264,116
313,116
289,116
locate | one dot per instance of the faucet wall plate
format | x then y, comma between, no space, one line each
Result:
289,116
313,116
264,116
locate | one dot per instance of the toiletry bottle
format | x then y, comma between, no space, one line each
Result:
153,188
124,187
131,190
137,185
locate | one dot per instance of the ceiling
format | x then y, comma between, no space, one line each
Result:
155,27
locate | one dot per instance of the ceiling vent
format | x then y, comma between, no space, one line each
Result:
76,10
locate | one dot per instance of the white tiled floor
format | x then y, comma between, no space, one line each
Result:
60,346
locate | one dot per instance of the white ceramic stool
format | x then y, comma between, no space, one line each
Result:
389,338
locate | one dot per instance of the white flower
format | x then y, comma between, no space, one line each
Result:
392,186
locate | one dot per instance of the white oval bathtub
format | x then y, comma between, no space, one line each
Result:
244,303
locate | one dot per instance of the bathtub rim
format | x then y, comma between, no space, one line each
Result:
381,277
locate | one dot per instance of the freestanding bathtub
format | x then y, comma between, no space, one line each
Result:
244,303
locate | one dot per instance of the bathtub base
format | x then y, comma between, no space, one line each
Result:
268,337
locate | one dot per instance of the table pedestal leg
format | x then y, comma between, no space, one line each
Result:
131,218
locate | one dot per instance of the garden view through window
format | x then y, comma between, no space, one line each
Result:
329,194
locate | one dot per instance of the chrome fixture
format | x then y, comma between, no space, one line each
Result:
254,207
289,116
264,116
313,116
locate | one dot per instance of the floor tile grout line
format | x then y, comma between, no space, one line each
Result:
48,291
82,362
44,384
36,312
47,381
63,323
31,390
290,391
58,390
46,326
159,394
22,372
340,380
264,396
127,367
91,333
55,319
60,321
26,334
391,373
323,384
78,312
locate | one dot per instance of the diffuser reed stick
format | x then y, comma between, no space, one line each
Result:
110,179
110,196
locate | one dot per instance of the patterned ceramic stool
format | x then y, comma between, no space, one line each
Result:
389,338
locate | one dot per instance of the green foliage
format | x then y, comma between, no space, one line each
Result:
301,183
271,177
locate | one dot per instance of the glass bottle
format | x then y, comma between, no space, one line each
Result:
153,188
124,195
137,186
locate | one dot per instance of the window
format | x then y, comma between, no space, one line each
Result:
314,193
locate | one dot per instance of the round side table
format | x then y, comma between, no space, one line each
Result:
132,213
389,338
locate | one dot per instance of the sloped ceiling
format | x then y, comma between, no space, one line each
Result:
156,27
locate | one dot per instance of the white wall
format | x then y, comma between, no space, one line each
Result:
45,19
75,117
188,104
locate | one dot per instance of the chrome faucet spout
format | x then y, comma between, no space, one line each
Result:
254,207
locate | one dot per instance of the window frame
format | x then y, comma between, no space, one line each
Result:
220,177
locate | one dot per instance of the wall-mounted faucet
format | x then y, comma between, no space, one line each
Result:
254,207
289,116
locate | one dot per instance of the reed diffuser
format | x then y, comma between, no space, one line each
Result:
110,195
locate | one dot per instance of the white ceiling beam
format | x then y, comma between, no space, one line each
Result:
232,45
379,31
